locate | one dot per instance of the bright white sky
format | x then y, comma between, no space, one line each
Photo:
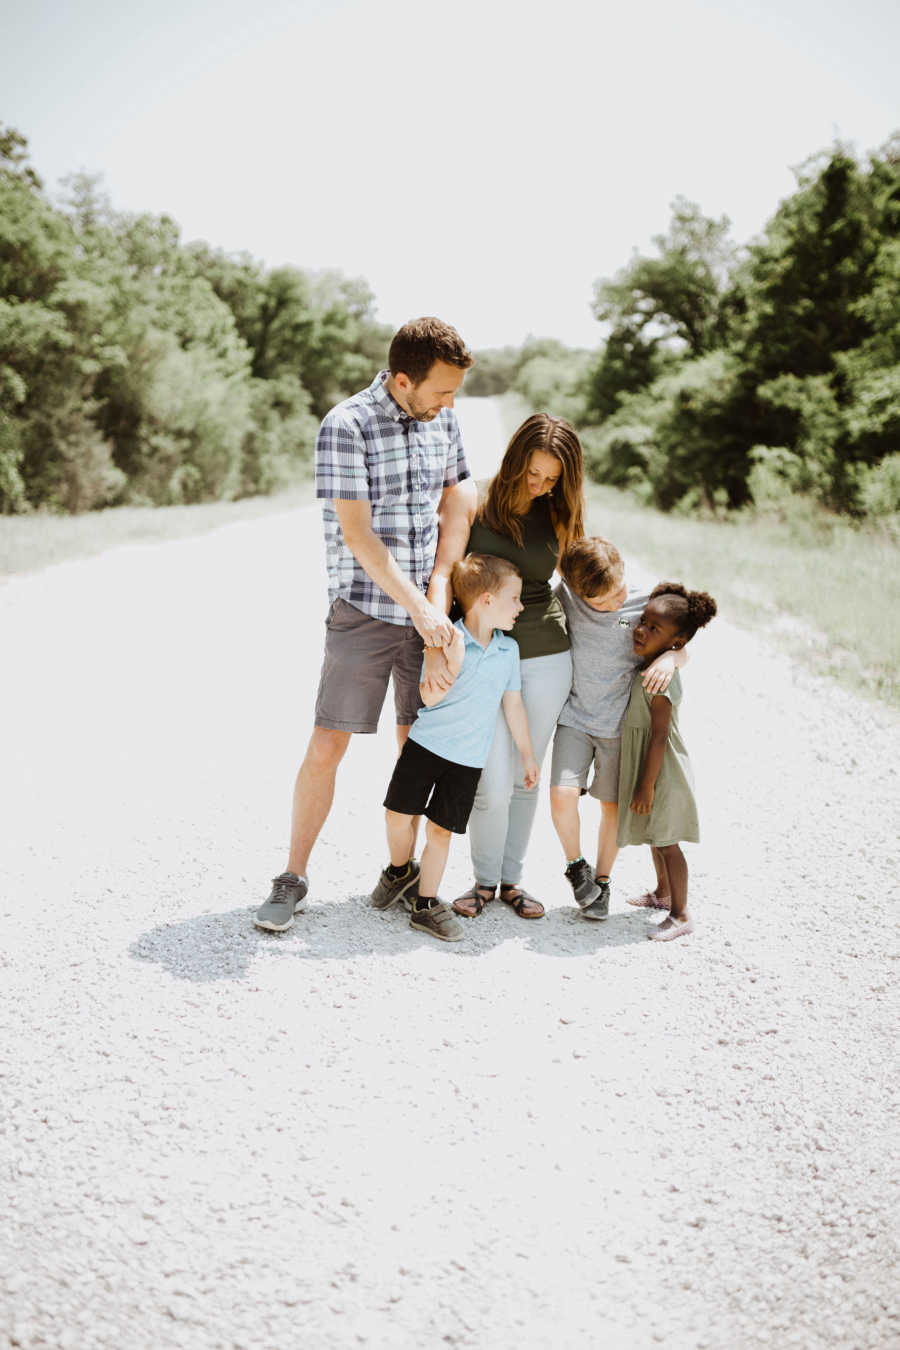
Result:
484,160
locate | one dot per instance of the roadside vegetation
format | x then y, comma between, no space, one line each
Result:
824,588
740,416
140,370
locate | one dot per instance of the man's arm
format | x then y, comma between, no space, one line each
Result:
517,721
376,560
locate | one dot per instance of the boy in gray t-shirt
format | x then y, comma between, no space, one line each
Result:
601,612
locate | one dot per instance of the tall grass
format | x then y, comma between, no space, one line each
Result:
823,587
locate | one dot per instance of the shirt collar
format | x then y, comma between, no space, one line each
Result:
472,641
386,401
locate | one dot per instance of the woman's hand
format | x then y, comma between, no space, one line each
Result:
642,801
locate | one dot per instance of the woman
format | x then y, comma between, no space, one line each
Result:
533,508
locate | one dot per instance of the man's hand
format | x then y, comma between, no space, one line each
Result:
658,675
432,625
642,802
532,771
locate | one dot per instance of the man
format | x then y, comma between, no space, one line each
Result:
389,460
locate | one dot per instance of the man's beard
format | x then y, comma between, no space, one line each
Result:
421,413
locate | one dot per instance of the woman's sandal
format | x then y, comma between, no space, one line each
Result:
472,902
524,904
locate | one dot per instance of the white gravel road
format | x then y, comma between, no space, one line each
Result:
551,1134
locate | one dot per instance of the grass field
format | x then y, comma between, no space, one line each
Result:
825,590
822,588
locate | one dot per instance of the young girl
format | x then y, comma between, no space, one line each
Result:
656,786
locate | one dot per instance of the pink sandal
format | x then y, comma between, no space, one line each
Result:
671,928
650,900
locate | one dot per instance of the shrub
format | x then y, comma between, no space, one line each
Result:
879,487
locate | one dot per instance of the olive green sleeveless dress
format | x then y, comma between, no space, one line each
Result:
673,817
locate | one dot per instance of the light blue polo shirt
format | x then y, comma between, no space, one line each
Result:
461,727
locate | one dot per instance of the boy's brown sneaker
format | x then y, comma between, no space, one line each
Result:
599,908
438,920
390,889
584,887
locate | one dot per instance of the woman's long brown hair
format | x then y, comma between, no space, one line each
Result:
502,509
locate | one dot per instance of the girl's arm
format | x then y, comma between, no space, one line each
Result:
658,675
660,717
431,692
517,721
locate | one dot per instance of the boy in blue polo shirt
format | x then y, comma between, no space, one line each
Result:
440,764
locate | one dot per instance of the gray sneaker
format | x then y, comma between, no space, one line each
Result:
285,898
438,920
391,889
599,908
579,877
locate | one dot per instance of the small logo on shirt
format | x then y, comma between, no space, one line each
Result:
624,623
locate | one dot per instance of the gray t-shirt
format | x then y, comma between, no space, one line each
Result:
603,661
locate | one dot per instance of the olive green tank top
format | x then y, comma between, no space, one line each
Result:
540,629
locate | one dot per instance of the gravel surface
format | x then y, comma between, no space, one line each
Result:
552,1134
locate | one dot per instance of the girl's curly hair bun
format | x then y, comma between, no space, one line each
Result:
701,608
689,609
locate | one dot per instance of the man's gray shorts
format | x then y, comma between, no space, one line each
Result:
575,751
361,655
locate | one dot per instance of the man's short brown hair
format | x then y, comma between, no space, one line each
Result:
591,567
421,342
477,573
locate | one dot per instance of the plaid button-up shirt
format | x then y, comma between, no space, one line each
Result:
369,449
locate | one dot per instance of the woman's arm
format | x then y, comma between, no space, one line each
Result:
455,515
456,511
660,718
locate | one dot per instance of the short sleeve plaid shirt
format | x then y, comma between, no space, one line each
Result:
368,448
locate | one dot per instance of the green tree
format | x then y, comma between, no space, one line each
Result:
627,363
676,296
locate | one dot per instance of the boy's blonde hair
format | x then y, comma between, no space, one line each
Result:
477,573
592,567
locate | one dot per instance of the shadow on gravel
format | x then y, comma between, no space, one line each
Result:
212,947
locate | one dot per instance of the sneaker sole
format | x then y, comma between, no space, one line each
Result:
595,918
269,927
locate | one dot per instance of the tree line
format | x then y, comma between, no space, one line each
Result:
137,368
734,375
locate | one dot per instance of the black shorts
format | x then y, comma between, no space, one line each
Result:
427,784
